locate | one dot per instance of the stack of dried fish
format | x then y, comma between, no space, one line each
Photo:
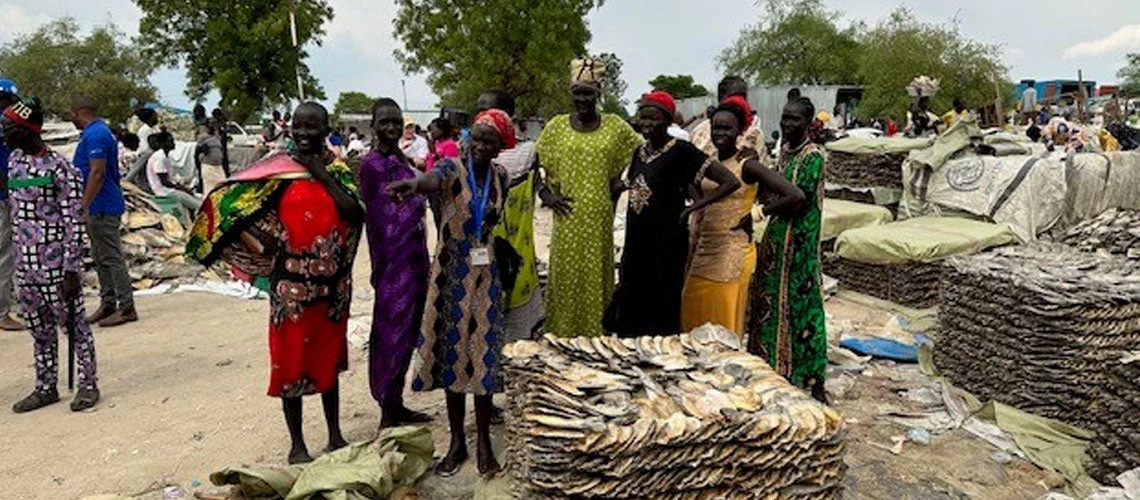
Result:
154,242
914,284
1039,327
1116,231
864,170
682,417
1117,412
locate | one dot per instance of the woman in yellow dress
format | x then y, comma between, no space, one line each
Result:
724,258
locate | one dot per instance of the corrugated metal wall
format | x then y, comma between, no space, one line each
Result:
768,102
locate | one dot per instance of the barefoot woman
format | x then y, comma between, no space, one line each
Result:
295,219
461,338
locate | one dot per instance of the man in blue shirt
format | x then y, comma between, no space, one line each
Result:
97,156
9,95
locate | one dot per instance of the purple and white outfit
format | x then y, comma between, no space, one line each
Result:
46,202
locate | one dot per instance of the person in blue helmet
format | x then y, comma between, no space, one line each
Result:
9,95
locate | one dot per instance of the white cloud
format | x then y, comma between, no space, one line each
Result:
18,21
1125,38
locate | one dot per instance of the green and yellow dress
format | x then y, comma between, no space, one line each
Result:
581,165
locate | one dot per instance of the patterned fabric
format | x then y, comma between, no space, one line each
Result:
461,340
723,303
720,243
310,291
310,249
787,321
47,214
517,226
398,247
648,298
581,165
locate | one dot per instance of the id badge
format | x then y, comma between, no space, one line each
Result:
480,256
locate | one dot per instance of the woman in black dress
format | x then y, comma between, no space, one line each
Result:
652,275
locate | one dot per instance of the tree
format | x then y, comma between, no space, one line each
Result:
681,86
57,65
353,102
1130,76
523,47
613,86
241,49
797,42
902,48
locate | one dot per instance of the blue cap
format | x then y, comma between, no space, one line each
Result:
8,86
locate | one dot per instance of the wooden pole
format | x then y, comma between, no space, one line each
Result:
293,33
997,103
1082,96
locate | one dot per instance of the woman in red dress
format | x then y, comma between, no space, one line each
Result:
295,219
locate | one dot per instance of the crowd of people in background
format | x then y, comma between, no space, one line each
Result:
296,217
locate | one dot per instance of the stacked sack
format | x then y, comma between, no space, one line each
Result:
1039,327
1117,410
1116,231
864,170
682,417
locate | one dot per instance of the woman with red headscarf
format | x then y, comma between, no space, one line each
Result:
648,298
724,258
461,339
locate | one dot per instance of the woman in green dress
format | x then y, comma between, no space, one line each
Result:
583,155
787,320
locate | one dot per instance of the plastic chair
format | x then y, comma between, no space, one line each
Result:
170,204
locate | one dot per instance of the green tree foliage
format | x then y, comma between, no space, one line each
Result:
242,49
901,48
1130,76
56,64
681,86
613,86
523,47
353,102
797,42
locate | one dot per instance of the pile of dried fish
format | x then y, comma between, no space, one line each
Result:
864,170
1043,328
1116,231
1117,410
154,242
682,417
914,284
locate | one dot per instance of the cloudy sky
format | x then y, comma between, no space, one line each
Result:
1041,38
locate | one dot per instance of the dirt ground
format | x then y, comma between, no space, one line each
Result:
184,395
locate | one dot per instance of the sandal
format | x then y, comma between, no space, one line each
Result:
85,399
36,400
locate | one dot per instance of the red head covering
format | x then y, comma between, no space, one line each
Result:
501,122
661,100
740,103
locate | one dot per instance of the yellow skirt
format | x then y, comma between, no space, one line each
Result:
720,303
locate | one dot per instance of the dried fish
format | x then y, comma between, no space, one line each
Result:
687,416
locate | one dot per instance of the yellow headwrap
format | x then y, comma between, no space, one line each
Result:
587,71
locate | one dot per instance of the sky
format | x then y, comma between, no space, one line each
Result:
1042,39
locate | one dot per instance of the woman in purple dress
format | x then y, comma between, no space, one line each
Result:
398,247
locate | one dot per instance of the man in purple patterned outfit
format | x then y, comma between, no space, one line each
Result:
46,194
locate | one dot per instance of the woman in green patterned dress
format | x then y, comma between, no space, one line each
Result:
787,321
583,155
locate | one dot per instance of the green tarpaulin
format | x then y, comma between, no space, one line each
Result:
842,215
878,145
364,471
922,239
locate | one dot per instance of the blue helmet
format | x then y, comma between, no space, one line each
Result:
8,86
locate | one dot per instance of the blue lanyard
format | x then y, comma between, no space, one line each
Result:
479,198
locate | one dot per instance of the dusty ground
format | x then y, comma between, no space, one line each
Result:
184,395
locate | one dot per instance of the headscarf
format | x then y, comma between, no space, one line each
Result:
587,71
740,103
661,100
27,113
501,122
